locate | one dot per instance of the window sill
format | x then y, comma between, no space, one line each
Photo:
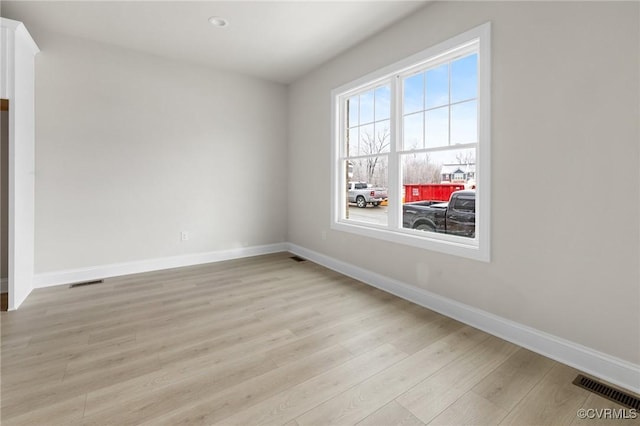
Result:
441,243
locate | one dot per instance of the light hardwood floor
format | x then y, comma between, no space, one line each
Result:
265,340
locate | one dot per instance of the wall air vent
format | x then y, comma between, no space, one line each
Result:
86,283
607,392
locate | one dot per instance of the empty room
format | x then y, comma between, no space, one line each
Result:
320,212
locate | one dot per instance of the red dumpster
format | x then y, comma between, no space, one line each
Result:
430,191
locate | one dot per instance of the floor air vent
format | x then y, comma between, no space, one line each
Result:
86,283
607,392
298,258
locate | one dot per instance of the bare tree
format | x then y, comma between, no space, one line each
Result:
419,168
374,144
466,157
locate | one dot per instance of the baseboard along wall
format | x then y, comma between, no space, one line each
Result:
118,269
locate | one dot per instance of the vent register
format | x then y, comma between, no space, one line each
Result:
607,392
82,284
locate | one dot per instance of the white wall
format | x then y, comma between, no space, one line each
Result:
132,149
565,156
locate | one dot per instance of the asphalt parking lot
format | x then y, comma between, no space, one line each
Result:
369,214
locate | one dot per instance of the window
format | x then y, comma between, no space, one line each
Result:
465,204
422,126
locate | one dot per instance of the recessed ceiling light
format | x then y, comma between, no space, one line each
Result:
218,21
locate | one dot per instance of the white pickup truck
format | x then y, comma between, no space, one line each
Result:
362,193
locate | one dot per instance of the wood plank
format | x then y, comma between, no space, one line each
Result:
426,334
352,406
39,396
555,400
189,406
387,330
296,400
510,382
432,396
470,409
67,412
140,394
333,335
392,414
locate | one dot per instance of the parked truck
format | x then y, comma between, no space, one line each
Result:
457,216
362,193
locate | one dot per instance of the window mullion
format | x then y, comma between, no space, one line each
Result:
449,103
395,183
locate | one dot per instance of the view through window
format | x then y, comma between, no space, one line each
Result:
409,147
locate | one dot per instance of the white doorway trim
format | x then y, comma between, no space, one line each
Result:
17,84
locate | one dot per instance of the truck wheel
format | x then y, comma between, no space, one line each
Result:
375,204
360,201
425,227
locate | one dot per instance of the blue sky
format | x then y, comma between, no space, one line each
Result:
426,105
428,120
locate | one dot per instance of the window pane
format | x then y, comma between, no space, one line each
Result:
457,166
352,106
413,99
358,171
465,204
366,107
353,141
464,78
438,86
372,170
464,123
454,156
367,140
413,137
437,127
383,103
383,137
419,168
349,170
427,188
368,190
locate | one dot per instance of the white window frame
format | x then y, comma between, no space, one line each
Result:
477,248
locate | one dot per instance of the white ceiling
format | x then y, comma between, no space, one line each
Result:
278,41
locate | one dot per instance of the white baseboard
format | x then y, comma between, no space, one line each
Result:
113,270
587,360
4,285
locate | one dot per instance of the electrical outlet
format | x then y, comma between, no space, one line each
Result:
184,236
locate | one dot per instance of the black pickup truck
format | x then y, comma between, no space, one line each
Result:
457,217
